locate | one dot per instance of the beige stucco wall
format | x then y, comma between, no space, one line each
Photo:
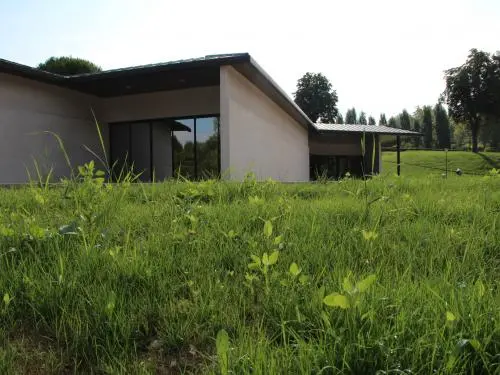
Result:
178,103
257,135
27,109
335,144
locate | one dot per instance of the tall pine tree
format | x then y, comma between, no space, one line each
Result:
442,126
382,121
417,128
404,120
392,122
371,120
427,126
351,116
362,118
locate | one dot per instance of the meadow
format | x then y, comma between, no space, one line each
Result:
386,276
425,163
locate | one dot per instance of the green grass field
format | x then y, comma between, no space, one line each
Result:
391,276
418,163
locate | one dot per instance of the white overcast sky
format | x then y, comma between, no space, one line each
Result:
380,55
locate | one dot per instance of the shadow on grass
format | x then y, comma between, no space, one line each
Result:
492,163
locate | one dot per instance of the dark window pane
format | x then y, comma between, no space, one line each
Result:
207,147
120,153
162,149
141,149
183,148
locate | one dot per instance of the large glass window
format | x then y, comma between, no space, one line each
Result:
196,148
207,147
184,150
188,147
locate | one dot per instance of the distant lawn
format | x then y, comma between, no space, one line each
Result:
433,162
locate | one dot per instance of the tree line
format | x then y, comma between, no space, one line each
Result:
470,121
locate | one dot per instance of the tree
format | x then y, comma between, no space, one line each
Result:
392,122
316,97
371,121
404,120
382,120
416,128
362,118
351,116
442,126
340,119
68,66
427,126
470,91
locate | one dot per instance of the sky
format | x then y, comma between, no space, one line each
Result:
379,55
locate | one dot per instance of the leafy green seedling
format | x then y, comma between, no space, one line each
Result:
222,346
353,292
268,228
263,264
369,235
294,270
337,300
7,299
450,317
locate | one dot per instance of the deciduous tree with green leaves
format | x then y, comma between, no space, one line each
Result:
471,91
317,98
68,66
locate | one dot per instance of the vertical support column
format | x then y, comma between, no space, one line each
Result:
398,155
224,120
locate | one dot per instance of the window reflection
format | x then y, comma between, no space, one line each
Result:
207,147
183,150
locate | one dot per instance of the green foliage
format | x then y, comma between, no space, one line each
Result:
340,119
222,345
473,90
392,122
433,163
427,126
405,120
250,277
371,121
68,66
382,121
417,141
351,116
442,127
362,118
316,97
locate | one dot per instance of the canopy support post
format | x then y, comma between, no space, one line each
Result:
398,154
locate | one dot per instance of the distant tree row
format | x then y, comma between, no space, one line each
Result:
472,96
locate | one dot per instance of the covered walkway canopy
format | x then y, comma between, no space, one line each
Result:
378,131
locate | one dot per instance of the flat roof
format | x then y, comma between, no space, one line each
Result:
172,75
357,128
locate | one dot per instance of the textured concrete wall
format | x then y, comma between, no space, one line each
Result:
27,109
257,135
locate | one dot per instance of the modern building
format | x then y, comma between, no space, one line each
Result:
219,115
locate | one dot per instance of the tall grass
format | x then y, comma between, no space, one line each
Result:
261,278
